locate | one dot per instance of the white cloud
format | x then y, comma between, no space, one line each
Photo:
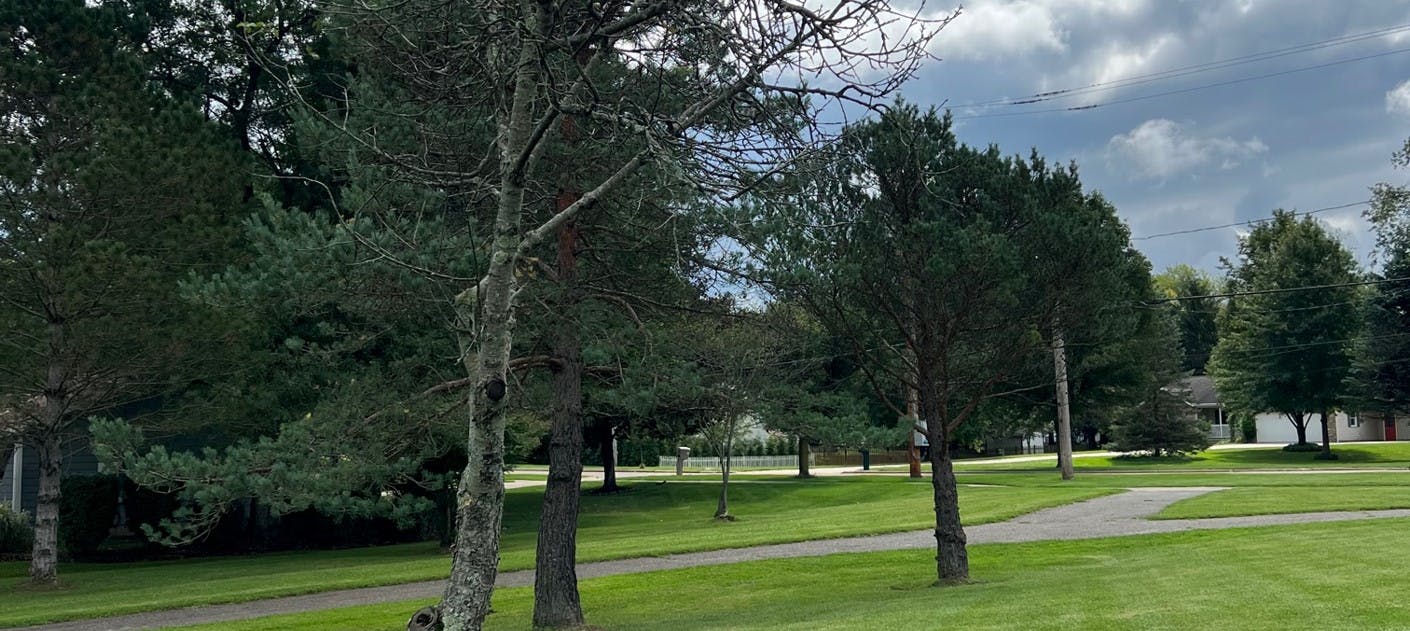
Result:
1160,148
1398,99
986,30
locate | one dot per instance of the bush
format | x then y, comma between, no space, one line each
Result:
16,534
1302,447
87,506
1248,428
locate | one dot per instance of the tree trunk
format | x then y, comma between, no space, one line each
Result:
485,315
44,560
1063,413
1326,436
556,601
951,557
609,459
804,450
912,415
722,506
1300,424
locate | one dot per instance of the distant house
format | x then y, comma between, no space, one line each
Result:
1273,427
1200,395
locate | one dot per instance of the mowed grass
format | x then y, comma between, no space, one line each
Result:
650,519
1373,455
1288,499
1257,578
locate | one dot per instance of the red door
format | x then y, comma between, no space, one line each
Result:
1390,428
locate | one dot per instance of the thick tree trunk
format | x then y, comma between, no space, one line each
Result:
606,450
1300,424
1064,416
804,450
951,556
556,601
44,559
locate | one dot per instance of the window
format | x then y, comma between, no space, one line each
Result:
1353,420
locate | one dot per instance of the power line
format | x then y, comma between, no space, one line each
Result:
1083,108
1279,290
1172,73
1246,223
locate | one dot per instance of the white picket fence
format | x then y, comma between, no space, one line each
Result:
710,462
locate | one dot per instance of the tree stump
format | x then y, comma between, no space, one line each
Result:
425,619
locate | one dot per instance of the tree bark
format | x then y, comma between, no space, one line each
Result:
1326,435
556,600
1064,414
485,325
722,506
951,556
609,459
804,450
913,415
44,559
1300,424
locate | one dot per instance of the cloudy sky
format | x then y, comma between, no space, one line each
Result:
1301,140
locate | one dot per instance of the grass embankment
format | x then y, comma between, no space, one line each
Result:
1247,579
1361,455
651,519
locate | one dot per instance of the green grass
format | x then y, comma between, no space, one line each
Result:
1110,480
1247,578
1289,499
1389,455
650,519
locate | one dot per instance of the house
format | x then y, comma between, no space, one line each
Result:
1273,427
19,480
1200,395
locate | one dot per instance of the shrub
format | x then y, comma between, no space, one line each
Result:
1302,447
16,533
87,506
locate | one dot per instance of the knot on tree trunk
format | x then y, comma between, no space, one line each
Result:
425,619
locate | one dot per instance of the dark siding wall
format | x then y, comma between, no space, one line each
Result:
80,463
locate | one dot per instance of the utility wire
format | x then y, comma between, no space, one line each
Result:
1279,290
1247,223
1083,108
1172,73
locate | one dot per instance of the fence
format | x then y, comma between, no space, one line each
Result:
710,462
1221,432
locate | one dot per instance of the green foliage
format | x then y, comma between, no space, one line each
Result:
1289,351
1384,369
16,532
1302,447
1196,317
1163,424
86,509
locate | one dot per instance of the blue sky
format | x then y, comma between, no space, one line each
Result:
1302,141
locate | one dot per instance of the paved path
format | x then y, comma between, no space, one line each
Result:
1109,516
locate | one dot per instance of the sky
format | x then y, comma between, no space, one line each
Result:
1204,156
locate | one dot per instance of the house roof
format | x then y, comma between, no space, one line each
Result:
1201,391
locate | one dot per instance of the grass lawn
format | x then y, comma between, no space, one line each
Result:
1110,480
1390,455
1256,578
650,519
1288,499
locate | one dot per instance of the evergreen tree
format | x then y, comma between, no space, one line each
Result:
1163,424
110,196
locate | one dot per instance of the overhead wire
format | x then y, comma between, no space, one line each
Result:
1207,86
1172,73
1249,222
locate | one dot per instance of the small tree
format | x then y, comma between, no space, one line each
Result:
1163,424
